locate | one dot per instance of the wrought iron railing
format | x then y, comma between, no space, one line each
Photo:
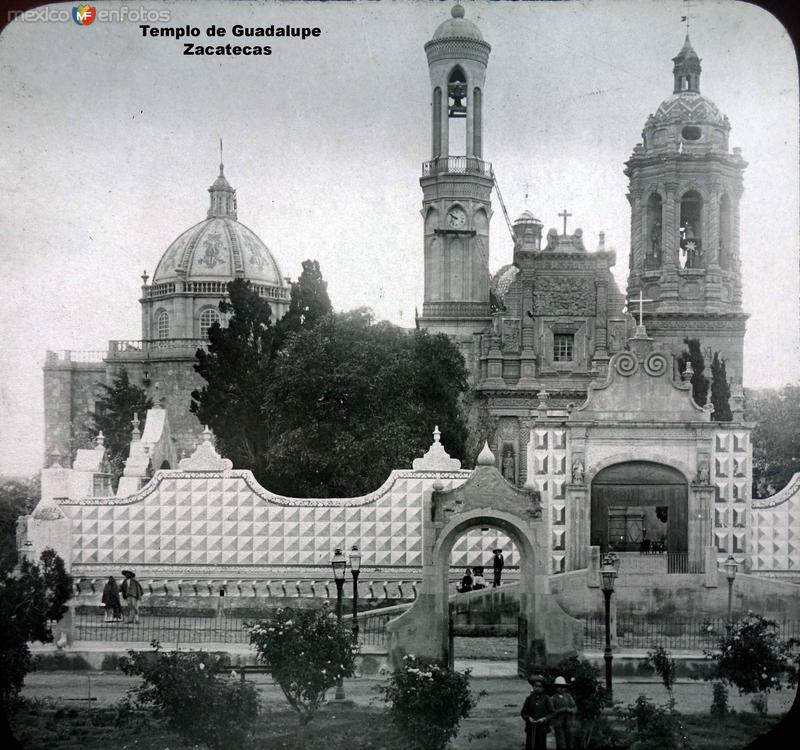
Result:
456,165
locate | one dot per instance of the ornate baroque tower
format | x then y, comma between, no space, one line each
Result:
456,185
685,187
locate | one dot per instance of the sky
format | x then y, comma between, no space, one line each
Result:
110,140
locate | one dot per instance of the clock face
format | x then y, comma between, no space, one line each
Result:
457,218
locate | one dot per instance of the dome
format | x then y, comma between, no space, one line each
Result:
526,217
219,248
689,106
457,27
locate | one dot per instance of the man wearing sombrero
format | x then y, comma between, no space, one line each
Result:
132,592
536,713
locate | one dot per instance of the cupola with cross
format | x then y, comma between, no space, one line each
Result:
456,184
685,185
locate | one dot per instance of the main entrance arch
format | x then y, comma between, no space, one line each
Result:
486,499
640,504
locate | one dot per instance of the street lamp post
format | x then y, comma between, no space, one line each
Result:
339,563
731,566
355,568
608,572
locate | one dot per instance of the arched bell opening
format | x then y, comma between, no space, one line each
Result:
691,242
457,111
655,231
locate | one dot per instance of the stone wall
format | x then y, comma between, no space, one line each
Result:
774,532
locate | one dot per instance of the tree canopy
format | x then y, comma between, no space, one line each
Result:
323,403
693,355
720,390
775,436
112,416
17,498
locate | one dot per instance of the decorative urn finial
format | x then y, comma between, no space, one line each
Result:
485,457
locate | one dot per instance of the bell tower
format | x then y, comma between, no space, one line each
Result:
684,190
456,186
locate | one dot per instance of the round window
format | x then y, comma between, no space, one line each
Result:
691,133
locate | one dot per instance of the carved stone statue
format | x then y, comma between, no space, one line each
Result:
577,471
703,472
552,239
508,467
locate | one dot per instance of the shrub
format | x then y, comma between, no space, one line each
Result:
307,652
759,703
662,662
751,656
656,727
719,704
196,693
427,702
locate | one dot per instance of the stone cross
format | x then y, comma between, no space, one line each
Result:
565,214
641,301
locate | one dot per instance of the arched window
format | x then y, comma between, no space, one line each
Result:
725,231
162,325
691,246
208,317
457,112
654,229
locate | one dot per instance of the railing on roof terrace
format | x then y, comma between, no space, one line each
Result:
156,290
70,355
148,346
456,165
213,287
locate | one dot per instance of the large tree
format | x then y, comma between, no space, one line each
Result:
720,390
17,498
112,416
350,401
309,302
237,368
775,436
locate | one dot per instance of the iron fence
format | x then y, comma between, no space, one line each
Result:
678,633
372,629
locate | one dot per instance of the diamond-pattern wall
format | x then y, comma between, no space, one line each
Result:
775,531
731,476
227,519
547,454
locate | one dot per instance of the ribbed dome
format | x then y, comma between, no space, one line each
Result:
457,27
689,106
217,249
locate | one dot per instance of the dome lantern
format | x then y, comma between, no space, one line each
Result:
223,197
686,70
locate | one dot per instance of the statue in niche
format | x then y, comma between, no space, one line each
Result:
508,466
577,471
703,472
552,239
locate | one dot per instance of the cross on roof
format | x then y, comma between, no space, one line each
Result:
641,301
565,214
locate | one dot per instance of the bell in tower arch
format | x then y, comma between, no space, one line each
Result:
457,93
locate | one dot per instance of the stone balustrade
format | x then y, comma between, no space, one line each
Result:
135,348
456,165
65,356
258,588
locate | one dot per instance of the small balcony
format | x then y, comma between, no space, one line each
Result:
457,165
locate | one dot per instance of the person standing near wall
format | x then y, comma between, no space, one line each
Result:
497,566
132,592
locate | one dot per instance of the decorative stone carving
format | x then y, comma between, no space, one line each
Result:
205,457
437,458
511,335
577,471
703,471
509,466
626,364
656,365
565,296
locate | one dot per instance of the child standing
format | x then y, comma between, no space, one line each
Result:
536,712
564,709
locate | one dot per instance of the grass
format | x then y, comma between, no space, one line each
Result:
56,726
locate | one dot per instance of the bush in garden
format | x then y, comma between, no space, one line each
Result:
662,662
655,727
719,704
307,652
590,696
751,656
427,702
195,692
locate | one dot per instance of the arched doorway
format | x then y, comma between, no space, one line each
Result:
640,505
486,499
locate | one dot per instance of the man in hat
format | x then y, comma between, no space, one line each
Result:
536,712
132,592
497,566
564,709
